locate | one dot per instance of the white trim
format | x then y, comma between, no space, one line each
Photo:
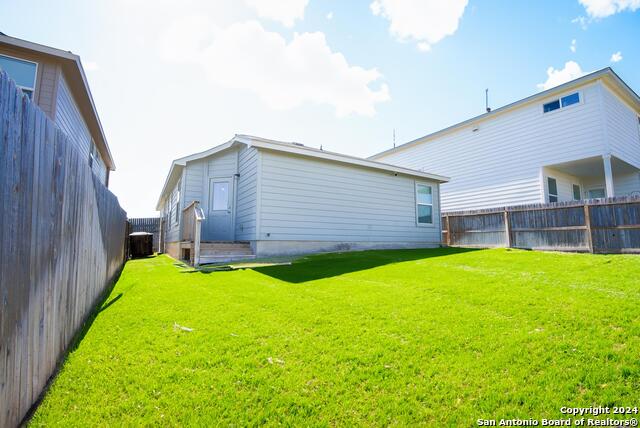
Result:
417,204
35,77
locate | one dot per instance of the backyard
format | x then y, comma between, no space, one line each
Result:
433,337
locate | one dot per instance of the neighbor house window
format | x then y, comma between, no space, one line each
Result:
22,72
577,193
424,201
597,193
563,102
552,189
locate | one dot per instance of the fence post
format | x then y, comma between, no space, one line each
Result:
507,227
448,241
587,223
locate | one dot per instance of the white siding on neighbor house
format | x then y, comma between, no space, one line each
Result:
305,199
246,194
564,183
623,129
500,163
626,184
69,119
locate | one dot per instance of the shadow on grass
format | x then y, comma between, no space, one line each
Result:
334,264
111,302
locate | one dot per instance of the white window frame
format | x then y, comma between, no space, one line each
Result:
573,194
35,78
417,204
559,99
549,194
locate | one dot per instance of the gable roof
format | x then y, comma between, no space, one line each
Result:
292,148
77,80
606,74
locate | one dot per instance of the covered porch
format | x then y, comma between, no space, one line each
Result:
596,177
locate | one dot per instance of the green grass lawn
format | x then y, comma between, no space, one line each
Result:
419,337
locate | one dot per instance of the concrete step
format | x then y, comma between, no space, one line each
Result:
226,258
224,246
226,251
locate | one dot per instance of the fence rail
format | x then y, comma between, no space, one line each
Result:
609,225
62,243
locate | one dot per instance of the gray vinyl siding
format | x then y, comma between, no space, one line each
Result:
220,165
224,164
168,211
623,129
69,119
501,163
194,180
314,200
246,205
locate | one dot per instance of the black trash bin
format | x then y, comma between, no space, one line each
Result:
140,244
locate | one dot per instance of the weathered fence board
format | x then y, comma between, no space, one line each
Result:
600,225
149,225
62,236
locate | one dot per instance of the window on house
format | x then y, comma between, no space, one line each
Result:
552,189
553,105
577,193
424,201
597,193
22,72
570,99
563,102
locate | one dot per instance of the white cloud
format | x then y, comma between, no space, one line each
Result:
330,16
424,21
616,57
572,47
555,77
284,11
283,74
603,8
581,21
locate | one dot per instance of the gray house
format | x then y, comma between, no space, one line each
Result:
255,197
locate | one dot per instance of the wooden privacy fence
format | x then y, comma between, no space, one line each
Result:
149,225
609,225
62,236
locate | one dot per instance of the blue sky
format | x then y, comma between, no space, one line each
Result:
172,78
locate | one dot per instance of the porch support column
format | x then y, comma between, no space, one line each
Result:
608,175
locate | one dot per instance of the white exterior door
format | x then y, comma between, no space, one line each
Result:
220,218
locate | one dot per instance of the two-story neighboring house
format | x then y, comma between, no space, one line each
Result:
54,79
579,140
